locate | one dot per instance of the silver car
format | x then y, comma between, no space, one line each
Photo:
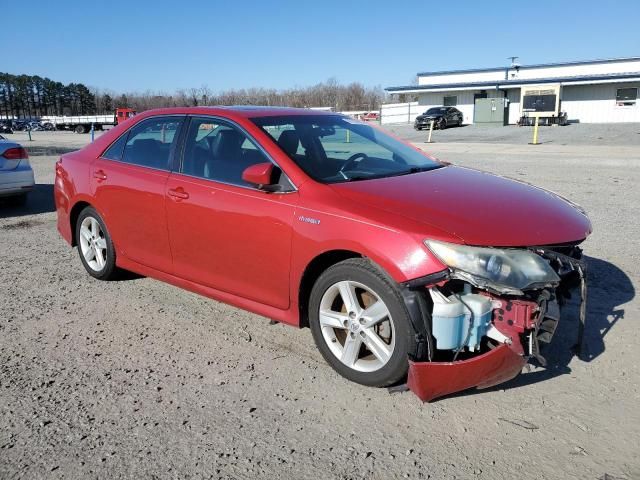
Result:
16,174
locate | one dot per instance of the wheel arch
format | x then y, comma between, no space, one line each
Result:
73,218
311,273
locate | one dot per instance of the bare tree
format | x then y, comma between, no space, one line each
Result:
330,93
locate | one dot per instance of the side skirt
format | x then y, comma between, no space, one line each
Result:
283,316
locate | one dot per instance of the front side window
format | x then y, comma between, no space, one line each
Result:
334,149
149,143
215,150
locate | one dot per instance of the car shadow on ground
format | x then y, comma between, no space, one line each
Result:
39,200
608,288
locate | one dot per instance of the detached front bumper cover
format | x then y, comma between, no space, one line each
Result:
429,380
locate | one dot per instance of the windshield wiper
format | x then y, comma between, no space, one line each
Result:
355,178
414,170
411,170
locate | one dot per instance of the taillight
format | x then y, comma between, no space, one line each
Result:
15,153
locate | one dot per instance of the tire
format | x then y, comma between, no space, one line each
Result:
95,247
442,124
80,129
336,326
418,128
459,122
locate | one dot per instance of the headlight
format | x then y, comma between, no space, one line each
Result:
512,268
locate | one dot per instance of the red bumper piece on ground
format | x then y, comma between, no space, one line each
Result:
429,380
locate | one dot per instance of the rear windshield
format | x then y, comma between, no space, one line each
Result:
333,149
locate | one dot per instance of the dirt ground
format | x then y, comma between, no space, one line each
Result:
613,134
138,379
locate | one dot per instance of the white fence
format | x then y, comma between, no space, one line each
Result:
400,112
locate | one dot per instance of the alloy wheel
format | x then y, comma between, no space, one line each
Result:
93,244
357,326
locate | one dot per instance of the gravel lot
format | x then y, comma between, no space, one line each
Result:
572,134
138,379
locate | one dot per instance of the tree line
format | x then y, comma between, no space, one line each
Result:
353,96
28,96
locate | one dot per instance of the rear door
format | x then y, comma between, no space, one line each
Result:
451,116
128,183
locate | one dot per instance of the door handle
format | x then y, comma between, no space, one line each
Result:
178,193
100,175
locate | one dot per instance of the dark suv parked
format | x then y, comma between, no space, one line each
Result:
442,117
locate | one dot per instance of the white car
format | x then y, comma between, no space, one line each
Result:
16,174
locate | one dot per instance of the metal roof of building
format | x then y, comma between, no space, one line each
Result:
525,67
515,82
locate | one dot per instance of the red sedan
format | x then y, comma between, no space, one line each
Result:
404,268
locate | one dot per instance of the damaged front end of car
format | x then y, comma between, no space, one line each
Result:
482,319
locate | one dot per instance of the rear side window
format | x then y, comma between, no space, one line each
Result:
149,143
114,152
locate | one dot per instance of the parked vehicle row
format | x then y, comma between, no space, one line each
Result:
23,125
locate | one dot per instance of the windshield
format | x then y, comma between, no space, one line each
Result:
333,149
436,110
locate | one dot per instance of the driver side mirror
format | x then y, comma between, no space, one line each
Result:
262,176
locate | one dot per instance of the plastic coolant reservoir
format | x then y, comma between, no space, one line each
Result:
454,315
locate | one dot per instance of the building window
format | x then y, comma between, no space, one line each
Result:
450,100
626,97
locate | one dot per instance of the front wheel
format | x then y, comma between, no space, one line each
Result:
96,250
360,324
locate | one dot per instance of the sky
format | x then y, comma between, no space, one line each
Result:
161,46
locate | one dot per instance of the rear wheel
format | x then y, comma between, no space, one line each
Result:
360,324
94,245
80,129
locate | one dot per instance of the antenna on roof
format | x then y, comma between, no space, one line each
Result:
514,63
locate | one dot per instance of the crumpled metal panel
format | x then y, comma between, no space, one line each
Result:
429,380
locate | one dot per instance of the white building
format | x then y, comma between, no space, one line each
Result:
595,91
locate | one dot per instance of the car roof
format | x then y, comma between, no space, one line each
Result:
246,111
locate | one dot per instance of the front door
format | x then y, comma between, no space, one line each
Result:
225,233
128,183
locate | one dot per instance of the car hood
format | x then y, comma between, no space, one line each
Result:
476,207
